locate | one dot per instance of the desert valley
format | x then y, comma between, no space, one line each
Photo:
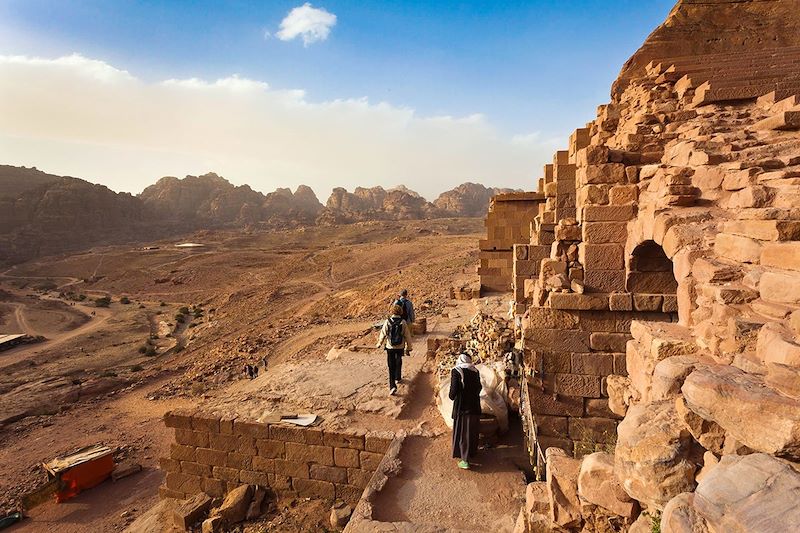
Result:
205,357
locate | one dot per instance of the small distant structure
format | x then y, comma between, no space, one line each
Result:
190,245
148,248
8,341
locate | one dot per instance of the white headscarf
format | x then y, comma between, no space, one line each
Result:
464,362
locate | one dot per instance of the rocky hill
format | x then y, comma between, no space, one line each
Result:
43,214
50,214
468,199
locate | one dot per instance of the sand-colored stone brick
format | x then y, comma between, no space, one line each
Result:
262,464
604,232
195,469
239,460
291,469
226,474
593,364
552,426
358,477
180,452
601,256
348,493
255,478
272,449
286,433
251,429
178,419
377,444
184,483
211,457
169,465
312,488
191,438
578,385
213,487
343,440
308,453
370,460
328,473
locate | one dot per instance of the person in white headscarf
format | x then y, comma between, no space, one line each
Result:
465,390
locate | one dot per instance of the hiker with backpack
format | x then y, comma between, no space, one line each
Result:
395,338
408,307
465,391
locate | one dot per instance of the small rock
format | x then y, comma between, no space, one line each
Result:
340,515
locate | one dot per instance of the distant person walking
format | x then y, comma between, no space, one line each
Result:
395,338
465,390
408,307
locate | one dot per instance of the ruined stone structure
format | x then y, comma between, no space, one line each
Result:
216,453
508,222
666,290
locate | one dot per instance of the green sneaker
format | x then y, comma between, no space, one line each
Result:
463,465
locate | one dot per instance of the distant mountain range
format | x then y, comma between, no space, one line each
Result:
43,214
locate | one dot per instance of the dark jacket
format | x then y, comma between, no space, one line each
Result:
466,396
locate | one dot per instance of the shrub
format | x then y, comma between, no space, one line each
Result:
103,301
179,318
142,349
150,352
136,368
124,300
163,304
184,310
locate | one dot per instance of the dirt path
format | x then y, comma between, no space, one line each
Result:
21,353
432,491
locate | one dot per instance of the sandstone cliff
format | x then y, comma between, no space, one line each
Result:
468,199
696,27
52,214
376,203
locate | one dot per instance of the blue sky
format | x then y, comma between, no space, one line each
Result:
526,67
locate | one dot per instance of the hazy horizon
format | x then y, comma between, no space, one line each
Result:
327,95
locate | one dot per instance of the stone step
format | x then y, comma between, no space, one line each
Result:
785,120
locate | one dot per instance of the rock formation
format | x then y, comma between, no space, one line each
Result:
659,280
468,199
42,214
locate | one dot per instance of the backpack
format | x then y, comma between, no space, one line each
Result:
396,336
402,303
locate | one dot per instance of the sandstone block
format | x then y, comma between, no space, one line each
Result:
754,492
552,426
620,302
784,379
215,488
604,232
307,453
623,194
785,255
755,196
562,488
272,449
748,410
568,233
593,429
604,281
708,434
610,213
598,485
311,488
669,375
608,342
169,465
652,457
226,474
188,437
560,405
578,385
261,464
777,344
234,508
601,256
680,516
328,473
348,493
184,483
621,394
343,440
345,457
239,460
764,230
255,478
579,302
291,469
737,248
211,457
286,433
195,469
780,287
593,364
599,408
369,460
251,429
190,512
180,452
178,419
358,477
647,302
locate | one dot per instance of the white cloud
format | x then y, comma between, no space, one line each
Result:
85,118
311,23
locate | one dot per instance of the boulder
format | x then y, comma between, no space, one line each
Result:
621,394
746,408
668,376
562,488
235,505
537,508
340,515
652,454
785,379
754,493
776,344
707,433
598,485
680,516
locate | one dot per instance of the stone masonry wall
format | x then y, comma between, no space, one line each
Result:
215,454
508,222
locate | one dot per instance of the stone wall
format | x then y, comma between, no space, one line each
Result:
215,454
508,222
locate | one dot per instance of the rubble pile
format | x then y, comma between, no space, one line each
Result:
488,339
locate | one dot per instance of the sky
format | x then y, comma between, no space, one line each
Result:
329,93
